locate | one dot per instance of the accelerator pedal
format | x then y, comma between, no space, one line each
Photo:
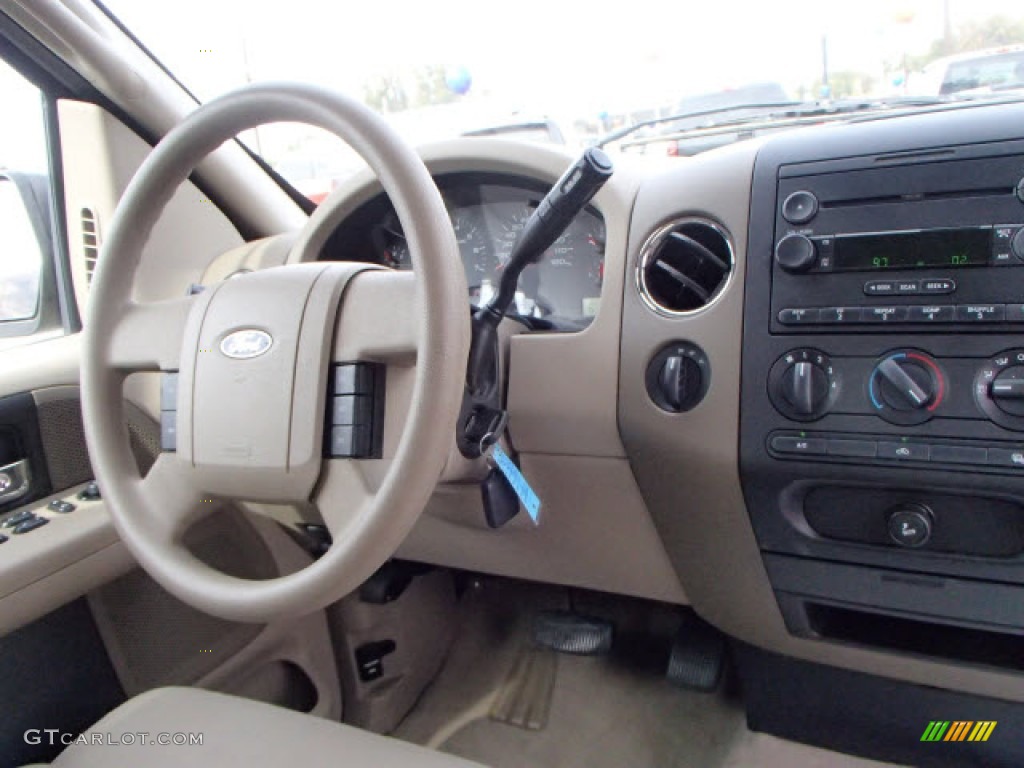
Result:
567,632
698,655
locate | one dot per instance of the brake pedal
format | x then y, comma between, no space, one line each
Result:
698,655
568,632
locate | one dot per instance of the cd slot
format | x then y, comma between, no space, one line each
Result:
960,194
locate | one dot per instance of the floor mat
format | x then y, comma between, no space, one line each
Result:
603,713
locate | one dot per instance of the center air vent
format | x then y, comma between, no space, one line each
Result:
684,266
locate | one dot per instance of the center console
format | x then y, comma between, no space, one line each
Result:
882,417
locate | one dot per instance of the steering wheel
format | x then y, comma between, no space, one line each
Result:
253,429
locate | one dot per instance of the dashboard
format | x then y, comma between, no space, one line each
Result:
845,485
488,211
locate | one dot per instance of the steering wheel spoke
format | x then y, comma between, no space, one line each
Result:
148,336
174,499
342,496
381,319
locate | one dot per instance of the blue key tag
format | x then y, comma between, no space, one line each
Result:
529,499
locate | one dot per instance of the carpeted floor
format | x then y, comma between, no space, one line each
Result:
604,713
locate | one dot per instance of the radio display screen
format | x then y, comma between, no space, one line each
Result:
912,250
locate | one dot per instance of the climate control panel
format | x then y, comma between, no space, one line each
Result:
904,387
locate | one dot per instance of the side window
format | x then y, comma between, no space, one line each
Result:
28,293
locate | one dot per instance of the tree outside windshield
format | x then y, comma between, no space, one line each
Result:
552,72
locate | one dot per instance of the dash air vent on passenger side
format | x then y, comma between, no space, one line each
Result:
90,241
684,266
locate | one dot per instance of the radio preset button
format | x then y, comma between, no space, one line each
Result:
980,313
932,314
800,207
884,314
798,316
880,288
938,286
840,315
1015,313
907,287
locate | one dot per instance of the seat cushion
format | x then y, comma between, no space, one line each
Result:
235,732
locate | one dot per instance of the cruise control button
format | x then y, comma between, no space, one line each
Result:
350,442
351,409
903,451
1006,457
883,314
30,525
980,313
169,391
168,431
906,287
880,288
931,314
808,446
61,506
800,316
839,315
958,454
941,285
353,379
865,449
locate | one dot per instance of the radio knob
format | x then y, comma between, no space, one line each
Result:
800,207
796,253
1017,244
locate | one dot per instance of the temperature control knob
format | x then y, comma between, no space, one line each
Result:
802,384
906,387
796,253
999,389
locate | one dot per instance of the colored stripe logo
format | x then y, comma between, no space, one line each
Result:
958,730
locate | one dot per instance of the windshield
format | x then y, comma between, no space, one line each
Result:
566,73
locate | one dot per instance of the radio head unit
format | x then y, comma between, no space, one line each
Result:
924,246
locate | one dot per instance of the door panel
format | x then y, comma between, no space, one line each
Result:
20,441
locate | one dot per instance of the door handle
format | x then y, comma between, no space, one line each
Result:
15,481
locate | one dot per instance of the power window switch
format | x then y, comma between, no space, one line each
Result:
61,506
31,525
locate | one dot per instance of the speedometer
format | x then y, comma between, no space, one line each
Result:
477,258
